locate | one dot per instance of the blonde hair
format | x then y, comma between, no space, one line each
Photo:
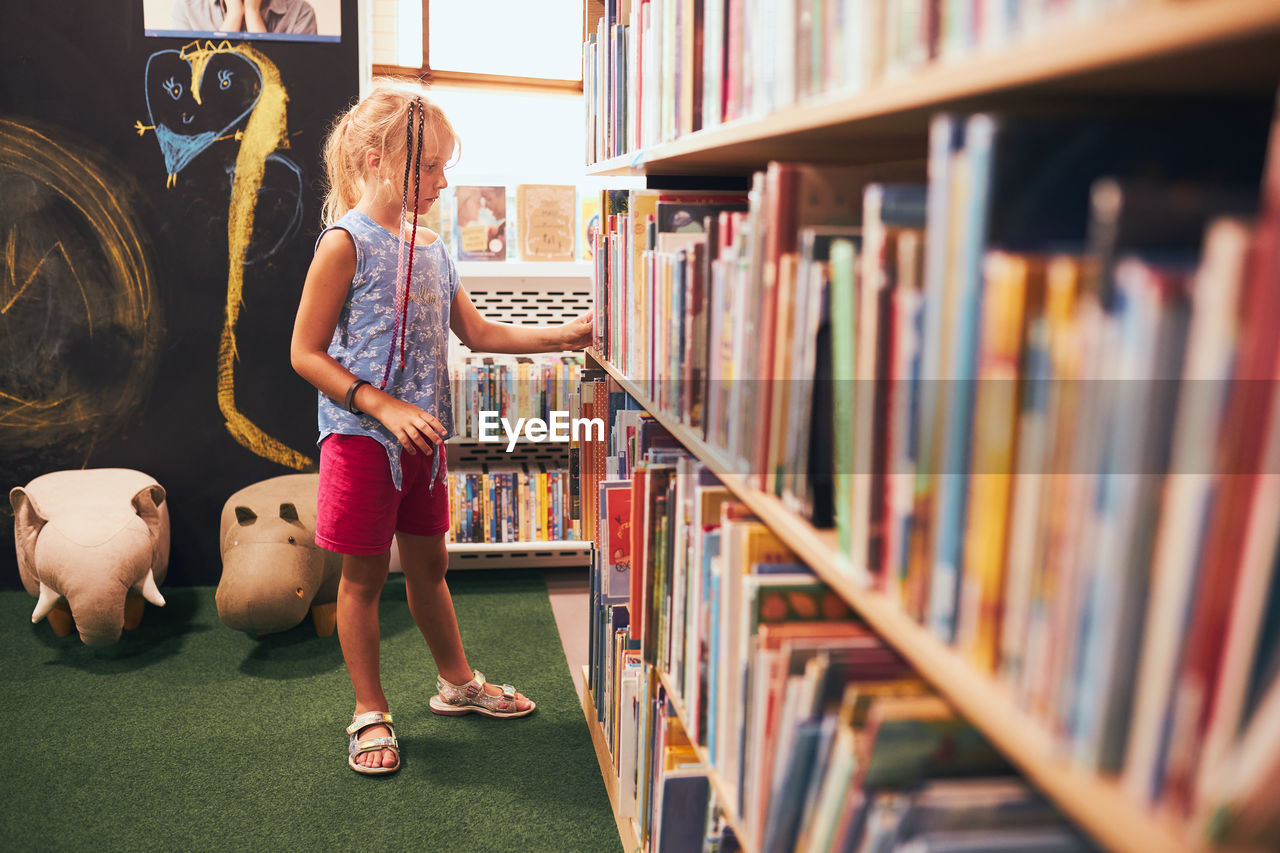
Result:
376,122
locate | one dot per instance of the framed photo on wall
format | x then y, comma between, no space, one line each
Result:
271,20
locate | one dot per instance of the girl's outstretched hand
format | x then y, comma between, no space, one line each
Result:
413,427
577,332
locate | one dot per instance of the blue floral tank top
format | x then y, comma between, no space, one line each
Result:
363,339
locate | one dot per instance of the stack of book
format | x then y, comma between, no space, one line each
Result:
513,386
528,502
718,308
1040,413
655,70
716,656
1056,452
652,267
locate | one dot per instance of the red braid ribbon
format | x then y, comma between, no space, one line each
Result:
413,224
400,311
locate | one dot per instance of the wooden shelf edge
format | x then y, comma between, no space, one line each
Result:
1150,31
626,826
632,163
1097,804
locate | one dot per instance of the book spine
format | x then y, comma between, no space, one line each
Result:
844,316
948,558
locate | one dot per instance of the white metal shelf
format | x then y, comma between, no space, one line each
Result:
496,547
519,555
538,300
553,293
524,269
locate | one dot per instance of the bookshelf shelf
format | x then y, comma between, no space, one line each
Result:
1167,46
519,555
518,293
1096,803
631,163
523,269
574,545
626,826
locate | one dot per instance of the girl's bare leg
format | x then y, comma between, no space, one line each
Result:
359,634
425,560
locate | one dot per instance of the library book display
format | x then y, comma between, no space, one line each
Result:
939,504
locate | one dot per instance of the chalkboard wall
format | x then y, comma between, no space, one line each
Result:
152,251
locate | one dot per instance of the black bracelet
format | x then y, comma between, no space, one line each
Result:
351,396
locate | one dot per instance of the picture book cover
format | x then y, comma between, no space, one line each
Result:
480,223
676,217
545,221
617,510
909,738
788,601
588,226
682,810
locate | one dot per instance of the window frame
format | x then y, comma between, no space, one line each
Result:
426,74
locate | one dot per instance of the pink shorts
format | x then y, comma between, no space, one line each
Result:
360,510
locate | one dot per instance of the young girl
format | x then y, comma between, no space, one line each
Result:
372,334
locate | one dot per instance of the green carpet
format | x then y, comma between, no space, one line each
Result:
187,735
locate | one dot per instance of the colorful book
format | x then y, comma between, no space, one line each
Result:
545,221
1015,285
480,224
615,538
588,225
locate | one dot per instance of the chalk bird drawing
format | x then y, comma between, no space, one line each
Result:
201,95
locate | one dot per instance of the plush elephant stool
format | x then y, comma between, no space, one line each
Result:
272,569
92,546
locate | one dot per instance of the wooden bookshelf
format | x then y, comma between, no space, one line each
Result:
1162,47
626,826
1157,53
1096,803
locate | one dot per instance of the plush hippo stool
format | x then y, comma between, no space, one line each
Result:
272,569
93,545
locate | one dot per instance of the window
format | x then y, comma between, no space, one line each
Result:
498,42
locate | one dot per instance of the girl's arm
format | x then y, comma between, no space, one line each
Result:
323,295
481,335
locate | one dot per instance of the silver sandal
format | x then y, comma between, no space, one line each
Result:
373,744
454,700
